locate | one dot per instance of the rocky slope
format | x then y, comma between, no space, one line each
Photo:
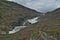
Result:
12,14
47,29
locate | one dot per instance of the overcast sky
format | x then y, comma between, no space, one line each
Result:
40,5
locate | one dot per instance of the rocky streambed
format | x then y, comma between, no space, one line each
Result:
18,28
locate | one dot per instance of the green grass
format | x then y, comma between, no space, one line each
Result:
58,24
35,33
52,31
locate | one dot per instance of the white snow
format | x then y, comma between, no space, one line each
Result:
24,23
16,29
9,0
33,20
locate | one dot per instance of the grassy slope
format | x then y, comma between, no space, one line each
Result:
11,12
51,21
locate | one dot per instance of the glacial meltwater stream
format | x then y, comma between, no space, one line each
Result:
18,28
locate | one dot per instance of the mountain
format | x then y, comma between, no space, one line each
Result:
52,23
53,19
13,14
49,25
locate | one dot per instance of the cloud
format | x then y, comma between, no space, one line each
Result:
40,5
10,0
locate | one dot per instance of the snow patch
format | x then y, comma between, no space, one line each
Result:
33,20
16,29
10,0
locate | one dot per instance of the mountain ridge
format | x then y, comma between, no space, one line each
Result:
11,12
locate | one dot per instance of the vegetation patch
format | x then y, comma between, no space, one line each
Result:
35,33
52,31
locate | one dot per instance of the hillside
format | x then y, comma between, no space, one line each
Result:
13,14
47,29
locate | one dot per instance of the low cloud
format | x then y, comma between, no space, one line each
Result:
40,5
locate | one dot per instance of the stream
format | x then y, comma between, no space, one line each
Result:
18,28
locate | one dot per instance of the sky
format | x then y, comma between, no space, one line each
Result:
39,5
